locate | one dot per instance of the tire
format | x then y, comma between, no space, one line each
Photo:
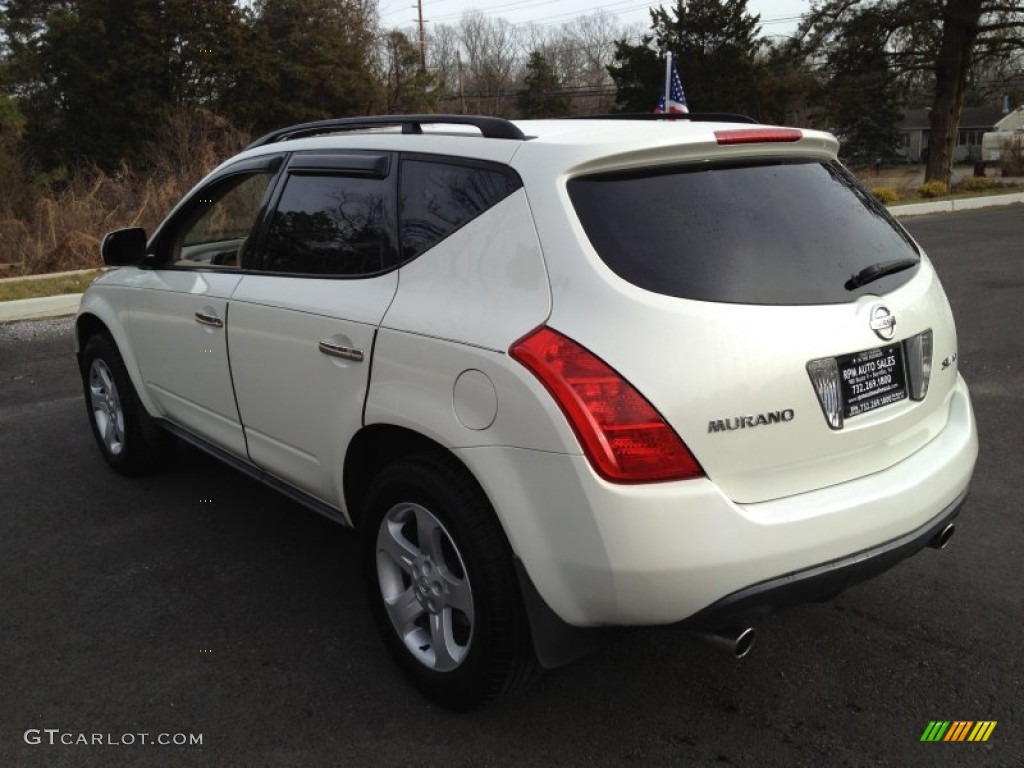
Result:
131,443
450,610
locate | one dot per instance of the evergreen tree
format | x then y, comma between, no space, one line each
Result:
315,62
638,72
541,96
12,169
715,45
860,93
93,78
411,89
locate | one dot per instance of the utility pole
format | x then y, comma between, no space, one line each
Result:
462,88
423,39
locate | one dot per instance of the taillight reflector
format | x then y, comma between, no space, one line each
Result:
758,135
625,439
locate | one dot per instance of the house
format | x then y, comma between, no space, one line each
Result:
1014,121
914,131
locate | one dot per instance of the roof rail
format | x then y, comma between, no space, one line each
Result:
490,127
697,117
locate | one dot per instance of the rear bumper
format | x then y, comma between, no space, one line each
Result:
601,554
821,581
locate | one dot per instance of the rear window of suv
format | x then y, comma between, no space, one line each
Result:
765,233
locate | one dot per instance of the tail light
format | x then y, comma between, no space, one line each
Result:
625,439
824,375
918,352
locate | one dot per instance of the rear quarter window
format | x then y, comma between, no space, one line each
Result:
439,197
789,232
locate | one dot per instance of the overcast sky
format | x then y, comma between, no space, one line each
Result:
778,17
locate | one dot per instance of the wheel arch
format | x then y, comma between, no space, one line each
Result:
377,445
373,448
98,316
87,325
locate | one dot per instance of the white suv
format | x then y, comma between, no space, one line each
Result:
560,375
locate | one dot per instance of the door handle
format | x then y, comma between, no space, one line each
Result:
209,318
337,350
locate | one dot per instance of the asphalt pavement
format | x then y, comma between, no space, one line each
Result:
197,603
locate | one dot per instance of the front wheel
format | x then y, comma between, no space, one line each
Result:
126,435
441,583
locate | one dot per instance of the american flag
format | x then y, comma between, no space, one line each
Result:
676,97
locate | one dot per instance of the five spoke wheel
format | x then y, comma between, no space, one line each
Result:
106,406
442,584
129,439
425,588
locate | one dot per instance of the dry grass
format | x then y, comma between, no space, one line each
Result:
932,189
46,286
901,180
66,225
905,184
886,195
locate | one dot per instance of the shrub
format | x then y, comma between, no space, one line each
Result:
1011,159
886,194
976,184
932,189
64,224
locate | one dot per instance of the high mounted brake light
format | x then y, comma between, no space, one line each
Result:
625,439
758,135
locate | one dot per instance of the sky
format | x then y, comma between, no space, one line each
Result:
778,17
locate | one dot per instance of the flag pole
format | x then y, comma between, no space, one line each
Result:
668,78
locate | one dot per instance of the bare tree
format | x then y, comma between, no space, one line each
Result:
482,61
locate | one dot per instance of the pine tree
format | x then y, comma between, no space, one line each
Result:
541,96
715,45
315,62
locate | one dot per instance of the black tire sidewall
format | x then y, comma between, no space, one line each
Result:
499,628
141,449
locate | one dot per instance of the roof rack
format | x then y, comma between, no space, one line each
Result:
490,127
696,117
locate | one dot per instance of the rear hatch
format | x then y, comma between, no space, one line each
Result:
774,313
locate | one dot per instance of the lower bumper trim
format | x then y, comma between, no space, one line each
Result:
818,582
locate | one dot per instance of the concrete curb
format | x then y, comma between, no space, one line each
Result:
34,309
951,206
55,306
72,273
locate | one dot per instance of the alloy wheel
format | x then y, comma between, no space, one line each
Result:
425,587
107,412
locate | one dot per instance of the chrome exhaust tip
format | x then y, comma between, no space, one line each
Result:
737,641
941,539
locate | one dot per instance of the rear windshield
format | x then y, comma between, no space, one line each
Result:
767,233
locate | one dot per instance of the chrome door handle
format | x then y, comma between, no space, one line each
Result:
337,350
206,318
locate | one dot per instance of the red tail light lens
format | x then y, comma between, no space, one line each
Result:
625,439
758,135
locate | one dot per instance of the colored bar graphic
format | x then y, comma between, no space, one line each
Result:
935,730
982,730
958,730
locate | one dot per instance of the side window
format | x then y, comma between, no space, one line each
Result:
439,197
215,232
331,225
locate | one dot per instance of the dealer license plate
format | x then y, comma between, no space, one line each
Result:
872,379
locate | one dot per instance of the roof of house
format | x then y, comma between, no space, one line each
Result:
970,117
1012,121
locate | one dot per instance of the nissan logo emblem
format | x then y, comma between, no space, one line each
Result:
882,322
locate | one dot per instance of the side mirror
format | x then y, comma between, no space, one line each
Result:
123,247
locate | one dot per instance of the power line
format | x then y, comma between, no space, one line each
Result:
564,16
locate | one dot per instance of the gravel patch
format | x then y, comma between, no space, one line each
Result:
30,330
